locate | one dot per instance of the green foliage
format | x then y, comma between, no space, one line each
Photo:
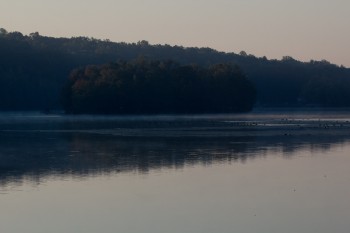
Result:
149,87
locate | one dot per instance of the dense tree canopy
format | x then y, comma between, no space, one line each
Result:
149,87
34,68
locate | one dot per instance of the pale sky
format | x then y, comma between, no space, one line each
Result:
303,29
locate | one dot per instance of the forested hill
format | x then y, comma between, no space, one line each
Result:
157,87
34,68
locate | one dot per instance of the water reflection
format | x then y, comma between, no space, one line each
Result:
34,155
253,173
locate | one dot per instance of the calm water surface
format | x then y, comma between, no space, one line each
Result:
263,172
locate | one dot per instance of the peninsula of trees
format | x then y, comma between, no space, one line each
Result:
149,87
35,68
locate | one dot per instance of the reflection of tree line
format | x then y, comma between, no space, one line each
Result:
35,156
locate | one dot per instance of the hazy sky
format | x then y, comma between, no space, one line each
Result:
303,29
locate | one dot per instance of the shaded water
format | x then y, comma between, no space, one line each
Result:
260,172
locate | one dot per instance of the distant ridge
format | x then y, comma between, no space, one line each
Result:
34,68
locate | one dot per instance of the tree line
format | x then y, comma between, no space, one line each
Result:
149,87
34,69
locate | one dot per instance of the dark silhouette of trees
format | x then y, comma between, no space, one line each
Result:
149,87
34,68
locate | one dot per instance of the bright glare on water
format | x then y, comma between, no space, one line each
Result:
254,173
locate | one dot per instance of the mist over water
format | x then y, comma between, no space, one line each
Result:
260,172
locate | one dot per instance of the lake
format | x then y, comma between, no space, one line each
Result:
264,172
